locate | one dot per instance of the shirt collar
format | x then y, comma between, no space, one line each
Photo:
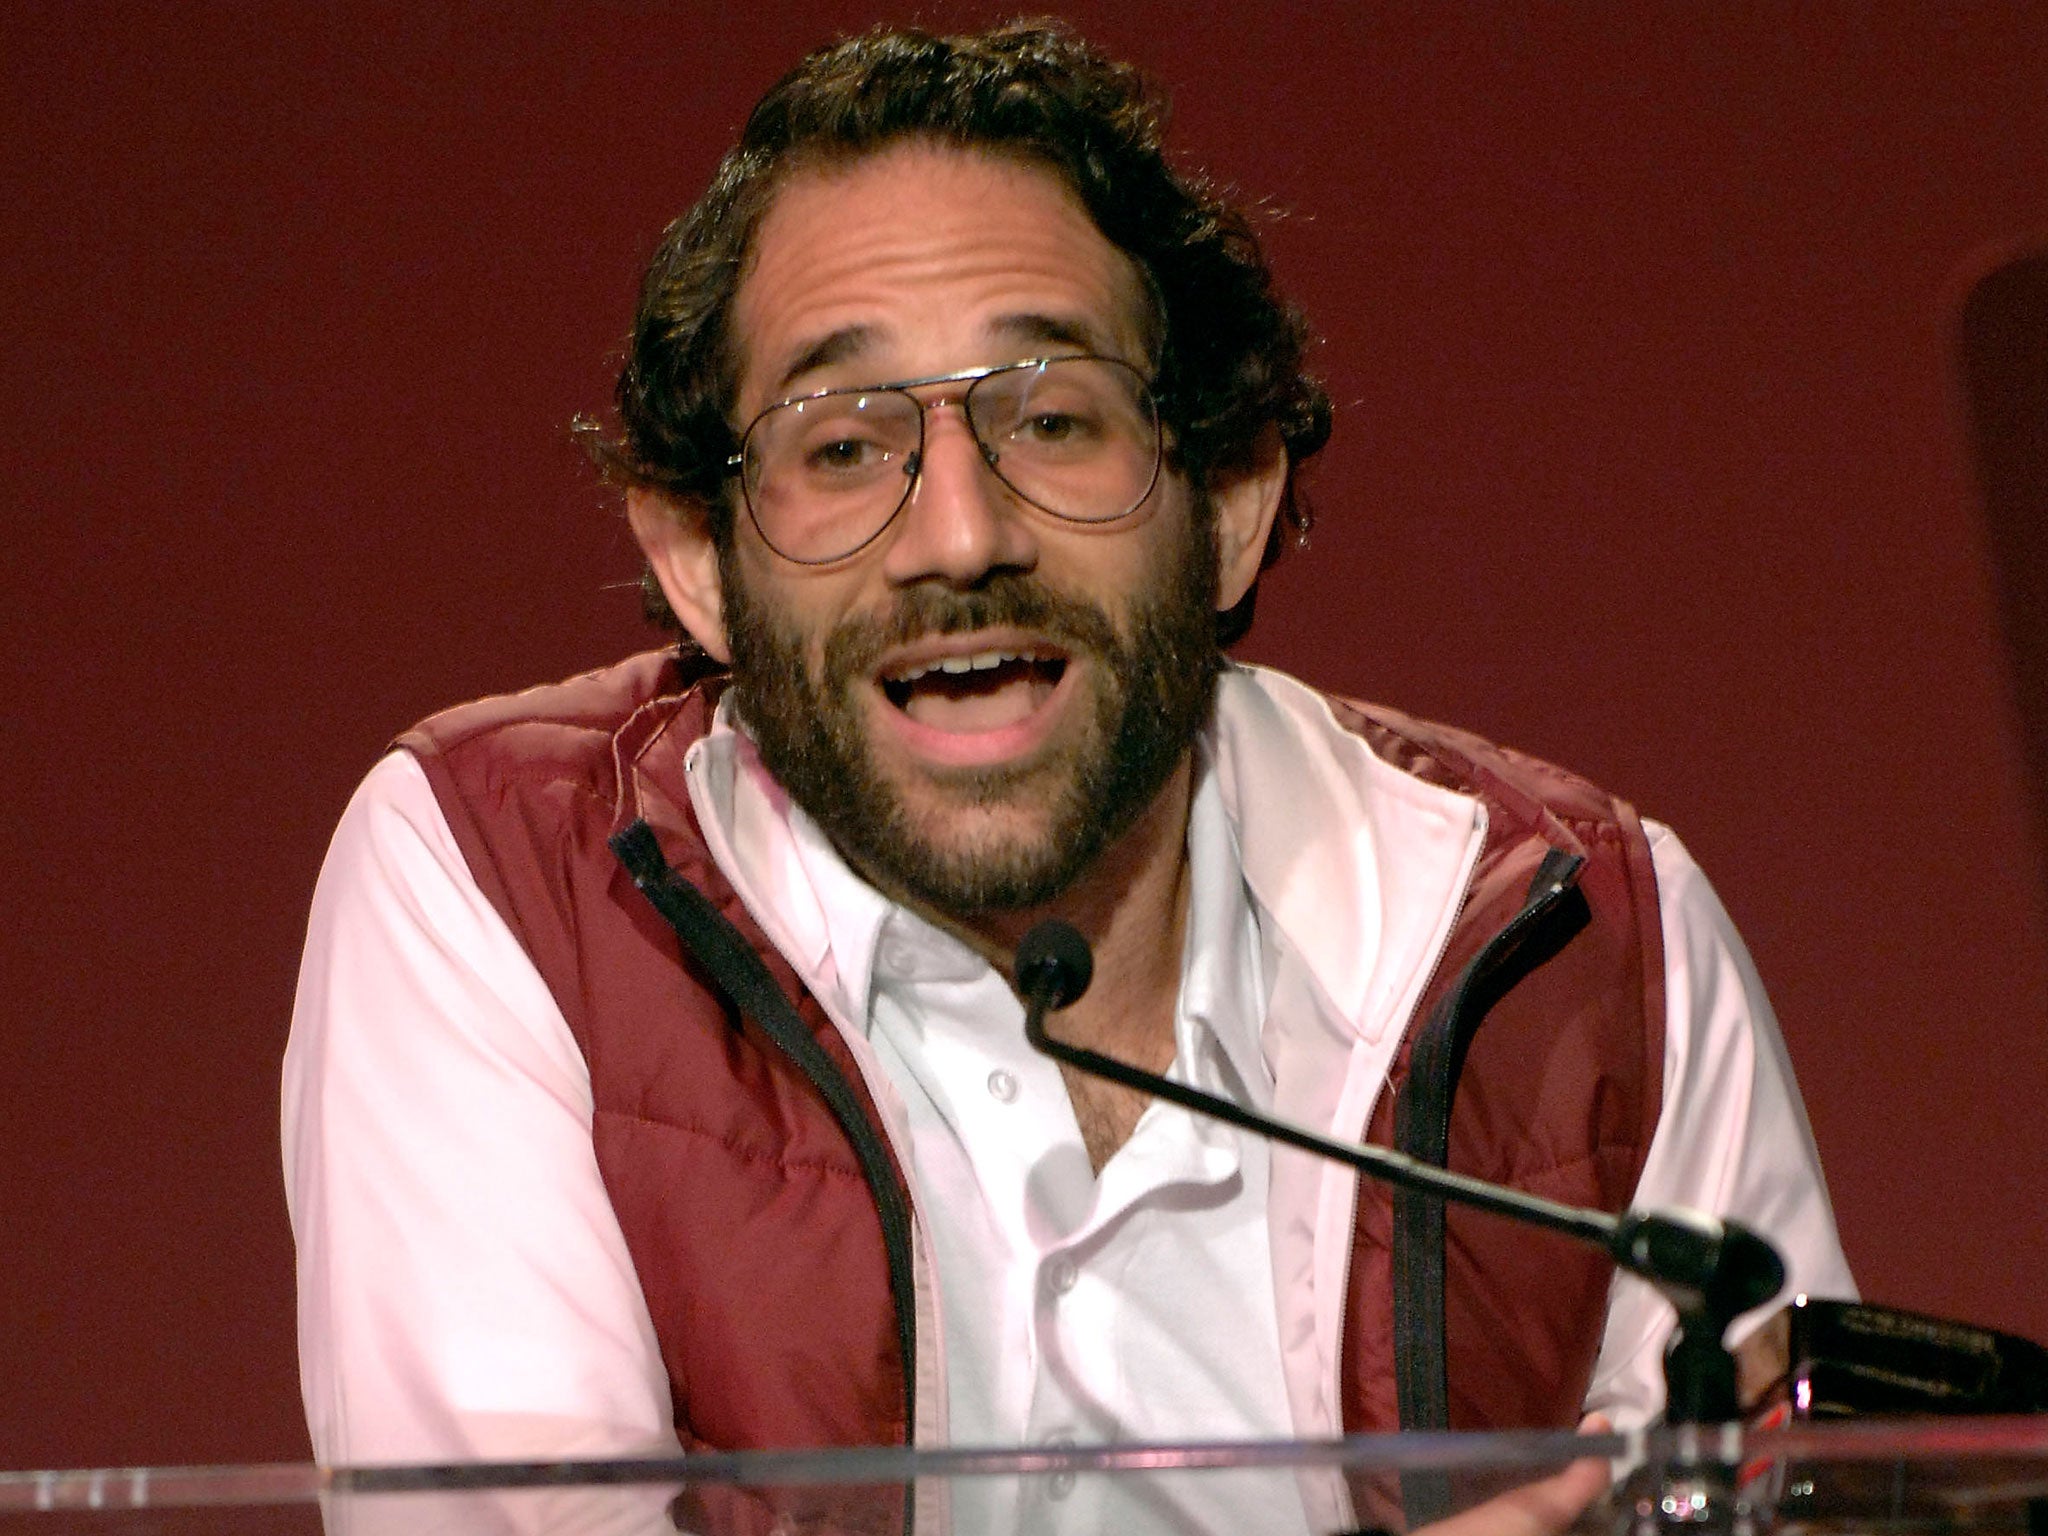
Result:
1223,974
1352,867
1355,867
837,929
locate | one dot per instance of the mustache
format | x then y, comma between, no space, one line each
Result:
1007,600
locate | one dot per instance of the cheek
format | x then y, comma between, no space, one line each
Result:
804,610
1152,556
774,593
1110,561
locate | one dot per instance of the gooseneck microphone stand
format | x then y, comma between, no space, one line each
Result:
1711,1271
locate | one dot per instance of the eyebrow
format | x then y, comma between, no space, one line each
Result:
1054,332
837,347
851,340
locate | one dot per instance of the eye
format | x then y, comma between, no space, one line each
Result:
1062,432
1055,427
842,454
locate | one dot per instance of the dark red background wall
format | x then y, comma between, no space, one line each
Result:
1648,458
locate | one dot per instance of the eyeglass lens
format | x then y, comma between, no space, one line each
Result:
1075,436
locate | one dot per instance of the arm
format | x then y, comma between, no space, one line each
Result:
464,1290
1731,1139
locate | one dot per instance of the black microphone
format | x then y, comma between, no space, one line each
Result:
1710,1270
1053,966
1716,1265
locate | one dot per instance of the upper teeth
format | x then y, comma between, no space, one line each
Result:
980,661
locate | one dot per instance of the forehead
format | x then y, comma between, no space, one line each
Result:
924,259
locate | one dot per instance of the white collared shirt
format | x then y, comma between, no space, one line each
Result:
1065,1299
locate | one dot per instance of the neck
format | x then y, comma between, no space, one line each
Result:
1131,906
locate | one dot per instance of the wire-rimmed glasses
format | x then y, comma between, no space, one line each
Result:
824,474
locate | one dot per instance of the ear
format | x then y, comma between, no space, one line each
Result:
1246,498
676,539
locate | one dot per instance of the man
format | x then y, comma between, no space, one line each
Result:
958,429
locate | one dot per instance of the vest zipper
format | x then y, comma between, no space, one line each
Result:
1422,1122
1436,960
744,978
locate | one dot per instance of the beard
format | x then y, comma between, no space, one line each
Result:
1151,684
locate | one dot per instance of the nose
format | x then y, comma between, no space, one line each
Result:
961,523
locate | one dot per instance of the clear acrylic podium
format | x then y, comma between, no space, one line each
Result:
1928,1475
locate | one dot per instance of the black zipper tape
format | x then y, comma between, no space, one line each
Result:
744,978
1422,1129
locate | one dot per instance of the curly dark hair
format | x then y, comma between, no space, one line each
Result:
1230,358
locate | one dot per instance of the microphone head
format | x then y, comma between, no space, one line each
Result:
1054,965
1700,1262
1754,1268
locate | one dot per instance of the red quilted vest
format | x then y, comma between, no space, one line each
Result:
754,1230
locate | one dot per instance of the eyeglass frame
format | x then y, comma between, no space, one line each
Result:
735,464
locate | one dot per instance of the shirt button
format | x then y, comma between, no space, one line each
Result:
899,959
1060,1276
1002,1087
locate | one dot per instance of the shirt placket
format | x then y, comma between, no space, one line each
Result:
1085,1282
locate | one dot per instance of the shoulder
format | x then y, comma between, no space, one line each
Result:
565,728
1526,789
531,782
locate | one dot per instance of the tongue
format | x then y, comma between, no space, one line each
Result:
976,701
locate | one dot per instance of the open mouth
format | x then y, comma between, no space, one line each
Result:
984,691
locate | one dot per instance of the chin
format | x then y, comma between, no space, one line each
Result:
984,859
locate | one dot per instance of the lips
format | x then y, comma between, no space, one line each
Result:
968,699
979,691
